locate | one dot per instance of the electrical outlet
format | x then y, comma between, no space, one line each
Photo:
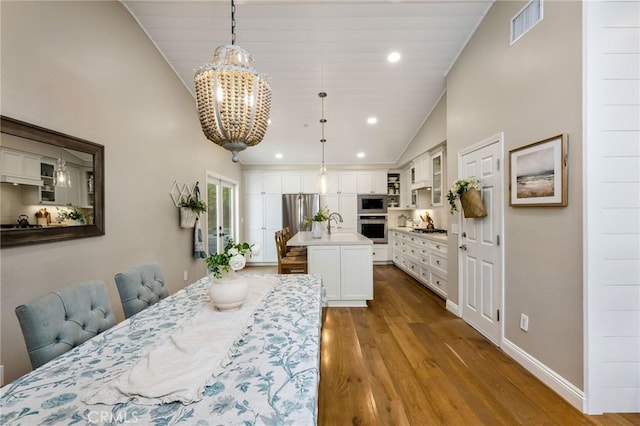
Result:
524,322
185,275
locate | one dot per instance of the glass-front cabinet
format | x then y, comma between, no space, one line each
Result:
437,178
47,190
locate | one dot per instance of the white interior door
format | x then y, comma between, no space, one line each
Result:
480,254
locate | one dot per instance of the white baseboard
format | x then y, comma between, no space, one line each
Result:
559,384
453,307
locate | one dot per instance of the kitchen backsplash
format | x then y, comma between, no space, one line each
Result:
12,205
438,214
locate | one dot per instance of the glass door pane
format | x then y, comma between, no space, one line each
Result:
220,213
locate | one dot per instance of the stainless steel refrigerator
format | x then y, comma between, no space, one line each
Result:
296,207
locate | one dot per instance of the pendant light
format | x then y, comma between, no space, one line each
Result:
323,168
61,177
233,99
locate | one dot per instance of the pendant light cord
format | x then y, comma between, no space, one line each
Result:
322,95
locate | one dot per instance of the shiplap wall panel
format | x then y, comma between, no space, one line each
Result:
619,272
617,221
622,297
612,206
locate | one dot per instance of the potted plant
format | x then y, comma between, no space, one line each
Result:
190,209
227,291
316,221
468,190
74,214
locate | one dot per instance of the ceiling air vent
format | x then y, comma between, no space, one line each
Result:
526,19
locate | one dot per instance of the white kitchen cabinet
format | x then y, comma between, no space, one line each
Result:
263,218
300,181
310,182
372,182
380,253
291,182
342,182
405,189
423,257
262,182
421,174
437,178
347,272
19,167
325,260
346,205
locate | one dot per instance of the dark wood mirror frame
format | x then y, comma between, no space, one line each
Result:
47,235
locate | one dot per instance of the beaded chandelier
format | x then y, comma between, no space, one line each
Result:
234,100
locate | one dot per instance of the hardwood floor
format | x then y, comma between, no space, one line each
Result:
405,360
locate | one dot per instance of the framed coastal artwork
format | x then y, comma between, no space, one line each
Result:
538,173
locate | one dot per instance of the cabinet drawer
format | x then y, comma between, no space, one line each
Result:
439,283
412,268
423,256
438,262
413,251
440,248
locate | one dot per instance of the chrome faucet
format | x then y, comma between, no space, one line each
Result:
331,217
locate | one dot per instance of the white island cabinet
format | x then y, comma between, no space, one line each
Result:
345,262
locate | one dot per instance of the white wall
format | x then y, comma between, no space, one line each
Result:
612,207
86,69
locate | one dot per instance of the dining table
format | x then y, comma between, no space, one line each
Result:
268,375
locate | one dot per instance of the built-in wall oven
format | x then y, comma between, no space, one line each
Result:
372,204
373,227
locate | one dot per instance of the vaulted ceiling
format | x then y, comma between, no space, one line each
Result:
339,47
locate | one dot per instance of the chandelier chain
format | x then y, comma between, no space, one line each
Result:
233,23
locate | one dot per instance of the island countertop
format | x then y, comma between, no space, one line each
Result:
304,238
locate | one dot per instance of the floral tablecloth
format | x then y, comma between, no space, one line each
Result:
273,379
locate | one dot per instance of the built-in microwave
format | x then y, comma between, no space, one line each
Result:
372,203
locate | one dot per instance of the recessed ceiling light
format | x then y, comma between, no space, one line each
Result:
269,121
372,120
393,57
278,155
360,155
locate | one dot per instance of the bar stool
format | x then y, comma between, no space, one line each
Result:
296,251
288,264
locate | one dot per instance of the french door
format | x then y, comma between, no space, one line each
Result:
221,213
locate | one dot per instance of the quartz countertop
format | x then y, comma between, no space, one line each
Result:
304,238
433,236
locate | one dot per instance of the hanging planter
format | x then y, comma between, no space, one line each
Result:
468,189
190,209
187,217
472,204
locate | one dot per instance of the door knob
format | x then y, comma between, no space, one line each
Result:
463,247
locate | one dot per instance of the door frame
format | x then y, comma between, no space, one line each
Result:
236,204
499,138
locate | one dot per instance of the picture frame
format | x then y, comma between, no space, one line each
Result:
538,174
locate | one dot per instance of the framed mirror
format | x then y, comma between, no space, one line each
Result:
51,185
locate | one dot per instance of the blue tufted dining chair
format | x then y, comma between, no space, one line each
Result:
59,321
140,287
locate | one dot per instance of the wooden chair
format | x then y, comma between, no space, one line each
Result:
296,251
288,264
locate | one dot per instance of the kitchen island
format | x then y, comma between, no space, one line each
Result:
345,262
